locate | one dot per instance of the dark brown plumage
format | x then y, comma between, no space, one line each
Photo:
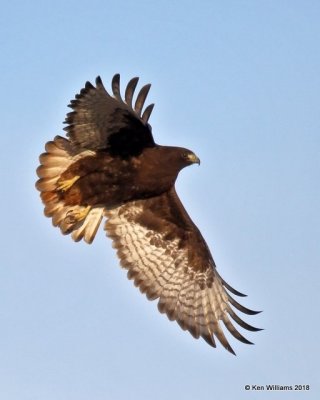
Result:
110,166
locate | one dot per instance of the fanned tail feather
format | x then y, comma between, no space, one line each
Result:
82,222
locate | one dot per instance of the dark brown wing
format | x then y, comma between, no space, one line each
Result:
103,122
168,259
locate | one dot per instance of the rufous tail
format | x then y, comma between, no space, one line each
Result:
82,222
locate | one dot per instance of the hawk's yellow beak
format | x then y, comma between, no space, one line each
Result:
193,158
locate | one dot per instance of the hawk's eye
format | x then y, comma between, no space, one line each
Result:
185,155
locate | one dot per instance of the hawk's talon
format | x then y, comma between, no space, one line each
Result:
65,184
74,216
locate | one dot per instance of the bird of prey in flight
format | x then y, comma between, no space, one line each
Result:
109,166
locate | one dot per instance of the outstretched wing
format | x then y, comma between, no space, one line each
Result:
103,122
168,259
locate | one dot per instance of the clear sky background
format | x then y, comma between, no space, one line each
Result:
238,82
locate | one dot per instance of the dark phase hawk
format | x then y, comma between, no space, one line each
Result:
111,167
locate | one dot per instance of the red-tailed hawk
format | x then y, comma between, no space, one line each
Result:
111,167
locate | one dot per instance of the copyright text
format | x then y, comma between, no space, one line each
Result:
275,388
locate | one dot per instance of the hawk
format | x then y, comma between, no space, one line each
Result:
110,166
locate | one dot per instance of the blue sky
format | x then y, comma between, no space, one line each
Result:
237,82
